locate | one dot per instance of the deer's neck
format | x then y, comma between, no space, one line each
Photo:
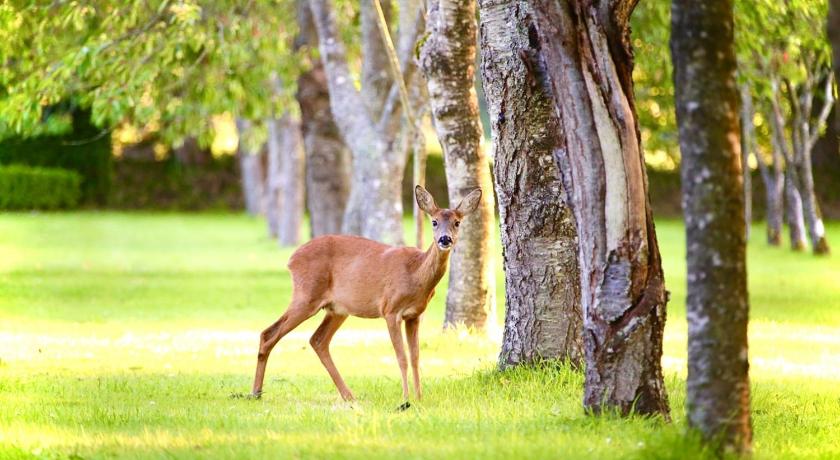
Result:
432,266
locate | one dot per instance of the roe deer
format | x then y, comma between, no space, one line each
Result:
348,275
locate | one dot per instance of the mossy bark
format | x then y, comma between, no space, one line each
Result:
717,304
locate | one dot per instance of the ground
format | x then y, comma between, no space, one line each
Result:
126,334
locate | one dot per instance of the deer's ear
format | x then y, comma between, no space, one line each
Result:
425,200
469,203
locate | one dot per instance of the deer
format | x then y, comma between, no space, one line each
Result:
349,275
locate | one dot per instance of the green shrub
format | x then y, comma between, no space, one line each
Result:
84,149
25,187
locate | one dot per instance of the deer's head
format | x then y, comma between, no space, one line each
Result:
446,222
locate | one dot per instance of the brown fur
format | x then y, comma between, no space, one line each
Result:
349,275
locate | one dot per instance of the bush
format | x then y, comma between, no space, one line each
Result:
24,187
84,149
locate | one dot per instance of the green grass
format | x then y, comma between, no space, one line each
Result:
125,334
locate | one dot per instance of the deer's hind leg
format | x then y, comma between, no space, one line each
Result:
320,342
299,311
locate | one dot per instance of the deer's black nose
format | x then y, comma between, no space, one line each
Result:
445,240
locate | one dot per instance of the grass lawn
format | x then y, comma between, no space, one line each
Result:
125,335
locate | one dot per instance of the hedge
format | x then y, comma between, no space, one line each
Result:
25,187
84,149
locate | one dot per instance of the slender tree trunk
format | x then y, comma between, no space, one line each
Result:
376,81
810,206
251,170
589,63
794,214
718,388
327,159
773,180
793,201
291,183
273,179
747,131
447,58
542,283
374,207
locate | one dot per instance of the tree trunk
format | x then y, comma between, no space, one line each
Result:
327,159
251,170
589,63
376,81
273,180
291,179
447,58
542,283
772,179
793,201
374,208
774,195
794,214
718,388
834,38
747,131
810,206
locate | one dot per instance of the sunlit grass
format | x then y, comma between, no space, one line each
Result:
125,334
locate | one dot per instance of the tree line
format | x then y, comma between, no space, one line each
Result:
343,89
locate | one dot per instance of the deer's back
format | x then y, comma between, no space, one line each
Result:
353,273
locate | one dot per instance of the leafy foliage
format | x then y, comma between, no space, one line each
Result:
167,62
24,187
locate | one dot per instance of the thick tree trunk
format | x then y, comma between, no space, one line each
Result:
374,208
542,283
327,158
793,212
291,178
747,131
718,388
251,171
447,58
589,62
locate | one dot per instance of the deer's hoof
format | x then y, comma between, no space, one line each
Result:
404,407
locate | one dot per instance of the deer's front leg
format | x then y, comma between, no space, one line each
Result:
412,327
395,330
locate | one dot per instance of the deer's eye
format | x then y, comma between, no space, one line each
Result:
434,223
457,223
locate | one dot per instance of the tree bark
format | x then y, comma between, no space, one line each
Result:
251,171
291,183
543,317
327,159
374,207
718,388
447,58
589,63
